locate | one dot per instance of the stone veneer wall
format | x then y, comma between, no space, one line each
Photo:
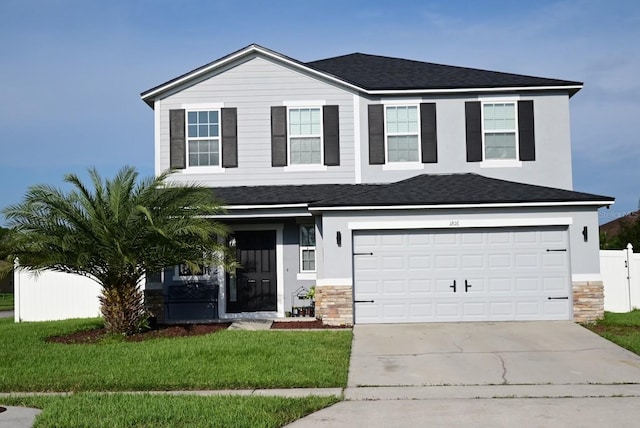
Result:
588,301
154,303
334,304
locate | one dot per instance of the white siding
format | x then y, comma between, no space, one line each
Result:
53,296
254,86
552,166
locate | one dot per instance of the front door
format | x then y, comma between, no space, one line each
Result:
253,288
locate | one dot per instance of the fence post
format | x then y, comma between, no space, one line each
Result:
628,265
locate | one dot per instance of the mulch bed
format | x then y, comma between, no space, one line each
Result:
178,330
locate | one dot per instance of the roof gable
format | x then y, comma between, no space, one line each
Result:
374,74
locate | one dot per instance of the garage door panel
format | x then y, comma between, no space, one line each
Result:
554,260
446,261
530,284
551,284
526,260
445,240
420,262
510,271
391,263
473,261
499,285
421,287
500,261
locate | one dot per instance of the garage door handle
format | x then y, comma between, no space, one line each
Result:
558,298
561,250
453,286
363,301
467,286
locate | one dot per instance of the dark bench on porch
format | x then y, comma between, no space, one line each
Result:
191,301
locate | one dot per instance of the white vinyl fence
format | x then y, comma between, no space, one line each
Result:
52,296
620,270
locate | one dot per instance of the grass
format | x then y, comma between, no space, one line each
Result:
128,410
230,359
6,302
620,328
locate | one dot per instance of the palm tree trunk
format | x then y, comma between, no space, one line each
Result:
122,308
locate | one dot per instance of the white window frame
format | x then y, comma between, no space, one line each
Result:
402,164
177,277
307,248
197,108
499,163
311,166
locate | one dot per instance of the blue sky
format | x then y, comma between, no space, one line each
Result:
71,71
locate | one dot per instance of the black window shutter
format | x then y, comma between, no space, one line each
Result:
376,134
177,142
428,135
331,132
278,136
229,137
526,136
473,124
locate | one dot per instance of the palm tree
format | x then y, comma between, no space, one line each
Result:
116,233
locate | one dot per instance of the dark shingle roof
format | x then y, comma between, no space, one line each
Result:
442,189
426,189
373,72
278,195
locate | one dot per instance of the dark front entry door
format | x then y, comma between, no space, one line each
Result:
253,288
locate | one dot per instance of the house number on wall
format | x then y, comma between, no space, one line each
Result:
454,223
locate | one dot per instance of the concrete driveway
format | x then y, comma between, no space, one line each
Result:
533,374
507,353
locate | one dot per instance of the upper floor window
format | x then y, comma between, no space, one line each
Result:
402,136
500,132
203,137
403,141
203,134
499,128
307,248
305,136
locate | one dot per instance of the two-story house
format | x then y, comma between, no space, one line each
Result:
404,191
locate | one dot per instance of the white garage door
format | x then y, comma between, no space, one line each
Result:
466,275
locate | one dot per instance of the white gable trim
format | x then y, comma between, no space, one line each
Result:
252,49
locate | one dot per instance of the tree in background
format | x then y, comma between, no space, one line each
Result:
627,232
115,233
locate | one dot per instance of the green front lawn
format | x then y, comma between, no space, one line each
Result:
158,411
622,329
229,359
6,302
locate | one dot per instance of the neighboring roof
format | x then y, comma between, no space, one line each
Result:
422,190
613,227
379,75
